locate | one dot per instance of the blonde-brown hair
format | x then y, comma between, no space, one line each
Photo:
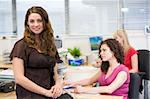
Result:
123,34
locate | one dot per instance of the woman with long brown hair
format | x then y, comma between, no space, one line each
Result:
113,76
34,59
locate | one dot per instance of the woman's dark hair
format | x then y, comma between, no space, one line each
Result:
47,39
116,48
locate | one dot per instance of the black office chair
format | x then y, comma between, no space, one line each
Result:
144,68
134,86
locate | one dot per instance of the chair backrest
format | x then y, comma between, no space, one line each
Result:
144,63
134,86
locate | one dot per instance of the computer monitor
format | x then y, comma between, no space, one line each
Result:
58,43
94,42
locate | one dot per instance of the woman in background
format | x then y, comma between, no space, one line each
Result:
34,58
113,76
131,58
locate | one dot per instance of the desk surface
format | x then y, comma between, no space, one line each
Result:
12,95
5,65
9,95
95,96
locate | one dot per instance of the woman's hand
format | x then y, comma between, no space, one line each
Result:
97,62
72,84
57,90
48,93
79,89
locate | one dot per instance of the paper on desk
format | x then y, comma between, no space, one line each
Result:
7,72
87,96
79,73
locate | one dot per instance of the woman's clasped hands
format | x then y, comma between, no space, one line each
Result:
55,91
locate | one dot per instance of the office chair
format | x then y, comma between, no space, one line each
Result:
134,86
144,68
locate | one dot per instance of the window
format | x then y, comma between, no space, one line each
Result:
54,8
6,18
12,18
78,17
136,14
93,17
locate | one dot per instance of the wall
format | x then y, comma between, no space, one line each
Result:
138,41
6,45
81,42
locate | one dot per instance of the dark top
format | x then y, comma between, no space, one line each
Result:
38,67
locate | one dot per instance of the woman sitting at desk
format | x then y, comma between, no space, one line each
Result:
113,76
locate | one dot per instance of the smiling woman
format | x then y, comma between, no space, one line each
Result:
35,23
34,58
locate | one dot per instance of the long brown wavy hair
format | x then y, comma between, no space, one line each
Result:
47,39
116,48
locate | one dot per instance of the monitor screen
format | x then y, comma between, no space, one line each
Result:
58,43
94,42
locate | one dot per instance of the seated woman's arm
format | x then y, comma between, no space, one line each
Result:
119,81
87,81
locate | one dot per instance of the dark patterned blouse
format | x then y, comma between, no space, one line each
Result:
38,67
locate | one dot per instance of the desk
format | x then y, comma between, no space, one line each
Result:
9,95
12,95
75,73
5,66
6,71
95,96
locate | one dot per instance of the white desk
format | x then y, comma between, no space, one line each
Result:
71,72
5,66
75,73
12,95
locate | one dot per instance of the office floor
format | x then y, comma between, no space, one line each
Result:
142,95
